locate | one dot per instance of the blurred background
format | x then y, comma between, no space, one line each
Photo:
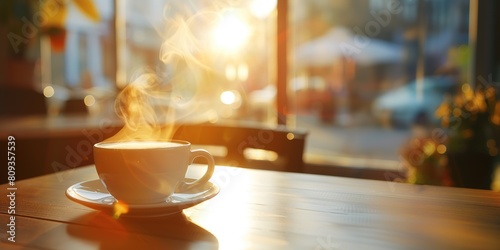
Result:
364,77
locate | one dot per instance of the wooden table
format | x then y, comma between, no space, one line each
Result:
258,209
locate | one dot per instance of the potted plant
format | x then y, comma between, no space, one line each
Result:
424,159
472,120
17,63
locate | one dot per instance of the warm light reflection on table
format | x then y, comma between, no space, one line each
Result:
232,217
258,209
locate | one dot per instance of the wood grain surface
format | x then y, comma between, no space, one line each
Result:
259,209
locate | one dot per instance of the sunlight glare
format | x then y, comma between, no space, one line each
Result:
119,208
231,32
262,8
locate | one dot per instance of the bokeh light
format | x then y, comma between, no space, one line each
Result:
230,72
441,149
89,100
228,97
243,72
48,91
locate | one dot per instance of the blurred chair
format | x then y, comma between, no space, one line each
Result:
74,106
248,146
17,102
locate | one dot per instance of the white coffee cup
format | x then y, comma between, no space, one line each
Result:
146,172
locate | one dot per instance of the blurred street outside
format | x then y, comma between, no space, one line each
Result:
362,146
368,146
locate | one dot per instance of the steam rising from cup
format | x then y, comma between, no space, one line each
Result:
146,108
151,104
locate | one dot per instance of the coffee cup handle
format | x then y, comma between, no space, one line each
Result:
208,174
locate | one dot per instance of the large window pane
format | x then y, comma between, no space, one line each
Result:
364,73
77,55
215,58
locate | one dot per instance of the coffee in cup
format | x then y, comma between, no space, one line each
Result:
147,172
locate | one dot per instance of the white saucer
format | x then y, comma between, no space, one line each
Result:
93,194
